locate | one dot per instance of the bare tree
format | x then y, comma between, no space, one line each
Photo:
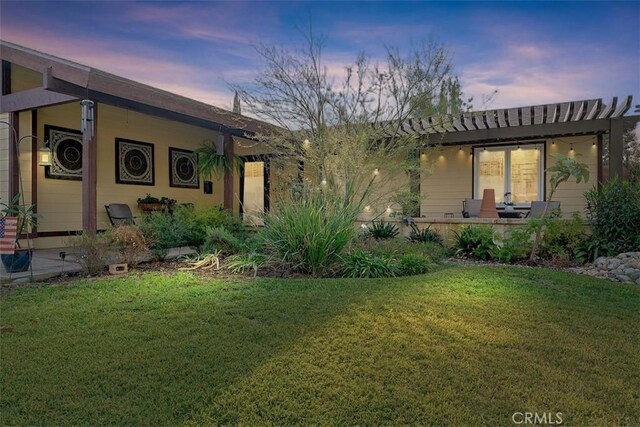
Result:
346,129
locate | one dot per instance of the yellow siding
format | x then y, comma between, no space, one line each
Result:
60,201
569,194
23,79
449,182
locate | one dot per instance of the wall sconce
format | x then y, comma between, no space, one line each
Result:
45,156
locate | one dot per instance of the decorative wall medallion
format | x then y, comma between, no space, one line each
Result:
183,168
66,153
134,162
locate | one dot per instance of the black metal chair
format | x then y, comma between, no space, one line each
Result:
119,214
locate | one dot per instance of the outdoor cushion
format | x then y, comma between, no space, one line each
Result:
471,208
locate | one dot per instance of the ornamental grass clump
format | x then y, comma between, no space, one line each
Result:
310,232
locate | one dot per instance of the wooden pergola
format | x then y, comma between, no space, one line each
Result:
586,117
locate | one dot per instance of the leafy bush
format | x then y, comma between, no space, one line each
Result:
186,226
562,238
165,231
92,251
310,232
425,235
515,246
381,230
475,240
242,263
412,264
222,239
129,243
614,213
363,264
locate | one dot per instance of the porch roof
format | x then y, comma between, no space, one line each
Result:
536,121
65,81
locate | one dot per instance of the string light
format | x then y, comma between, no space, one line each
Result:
376,171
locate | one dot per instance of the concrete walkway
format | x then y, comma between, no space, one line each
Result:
46,263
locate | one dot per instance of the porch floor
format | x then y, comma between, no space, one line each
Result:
46,263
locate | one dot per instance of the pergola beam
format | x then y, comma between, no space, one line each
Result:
531,131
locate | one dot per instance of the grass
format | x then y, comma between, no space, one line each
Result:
458,346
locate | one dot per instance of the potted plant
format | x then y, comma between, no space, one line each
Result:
508,204
150,203
20,260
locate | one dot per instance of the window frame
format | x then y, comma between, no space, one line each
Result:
508,148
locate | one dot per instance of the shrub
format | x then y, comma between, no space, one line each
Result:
129,243
381,230
515,246
222,239
614,213
363,264
165,231
310,232
562,238
475,240
412,264
425,235
92,251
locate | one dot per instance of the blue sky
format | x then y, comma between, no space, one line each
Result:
531,52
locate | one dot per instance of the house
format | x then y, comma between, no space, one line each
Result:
137,139
142,143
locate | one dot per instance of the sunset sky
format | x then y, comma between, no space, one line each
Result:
531,52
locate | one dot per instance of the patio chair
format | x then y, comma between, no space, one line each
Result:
119,214
537,209
471,208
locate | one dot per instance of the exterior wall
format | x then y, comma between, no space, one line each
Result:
60,201
23,78
446,181
451,177
569,194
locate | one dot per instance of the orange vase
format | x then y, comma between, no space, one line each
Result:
488,207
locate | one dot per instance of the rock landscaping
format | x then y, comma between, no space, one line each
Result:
622,268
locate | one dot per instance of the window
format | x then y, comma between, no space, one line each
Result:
512,169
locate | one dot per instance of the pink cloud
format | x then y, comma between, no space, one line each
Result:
149,66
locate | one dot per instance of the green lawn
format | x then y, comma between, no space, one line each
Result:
459,346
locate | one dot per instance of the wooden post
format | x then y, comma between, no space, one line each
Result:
14,154
616,147
35,164
89,176
228,175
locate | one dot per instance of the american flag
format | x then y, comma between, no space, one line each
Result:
8,231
